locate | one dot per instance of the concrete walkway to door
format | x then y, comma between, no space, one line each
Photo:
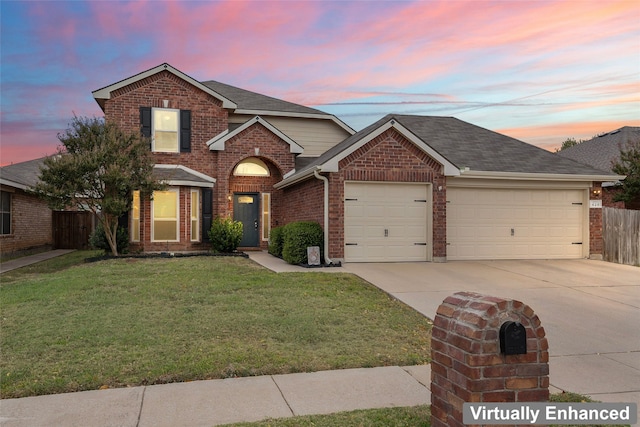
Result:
590,311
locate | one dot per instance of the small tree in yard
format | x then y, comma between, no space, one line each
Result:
629,165
96,169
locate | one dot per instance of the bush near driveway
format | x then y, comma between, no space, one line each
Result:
127,322
298,236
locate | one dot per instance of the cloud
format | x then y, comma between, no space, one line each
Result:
511,65
551,136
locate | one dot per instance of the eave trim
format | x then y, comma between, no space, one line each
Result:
217,143
538,176
450,169
105,92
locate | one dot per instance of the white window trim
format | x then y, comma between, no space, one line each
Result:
153,220
266,224
153,130
195,238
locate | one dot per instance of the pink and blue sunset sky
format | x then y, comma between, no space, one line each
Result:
539,71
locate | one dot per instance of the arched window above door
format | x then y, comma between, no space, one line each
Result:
252,166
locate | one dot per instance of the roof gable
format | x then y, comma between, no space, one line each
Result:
105,93
217,143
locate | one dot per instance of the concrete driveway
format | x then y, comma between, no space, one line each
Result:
590,311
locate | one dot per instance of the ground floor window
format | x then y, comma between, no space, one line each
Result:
135,217
164,211
5,212
266,215
195,215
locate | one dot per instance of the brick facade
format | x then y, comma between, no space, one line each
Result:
255,141
389,157
30,223
208,119
467,364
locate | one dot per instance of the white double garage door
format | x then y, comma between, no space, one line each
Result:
392,222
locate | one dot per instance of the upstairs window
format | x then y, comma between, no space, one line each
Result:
169,129
166,130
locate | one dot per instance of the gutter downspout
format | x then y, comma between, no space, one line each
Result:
327,260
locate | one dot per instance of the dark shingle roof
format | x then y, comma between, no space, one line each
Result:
469,146
24,173
602,150
247,100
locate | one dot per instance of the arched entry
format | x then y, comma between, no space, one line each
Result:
251,185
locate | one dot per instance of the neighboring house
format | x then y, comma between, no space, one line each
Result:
601,152
406,188
26,220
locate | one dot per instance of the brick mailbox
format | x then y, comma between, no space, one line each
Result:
485,349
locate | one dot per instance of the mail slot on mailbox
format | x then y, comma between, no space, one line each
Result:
513,338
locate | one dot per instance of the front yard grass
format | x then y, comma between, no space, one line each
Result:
131,321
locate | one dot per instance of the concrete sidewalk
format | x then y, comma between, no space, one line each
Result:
589,354
216,402
31,259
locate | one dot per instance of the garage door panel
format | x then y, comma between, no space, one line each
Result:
545,223
391,219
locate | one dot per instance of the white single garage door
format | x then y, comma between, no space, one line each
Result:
515,223
386,222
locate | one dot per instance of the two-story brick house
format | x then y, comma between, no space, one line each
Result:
221,149
405,188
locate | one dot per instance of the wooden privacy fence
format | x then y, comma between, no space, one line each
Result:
71,229
621,234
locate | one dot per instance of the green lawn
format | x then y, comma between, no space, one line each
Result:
69,326
416,416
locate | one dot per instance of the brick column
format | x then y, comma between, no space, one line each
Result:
595,224
467,365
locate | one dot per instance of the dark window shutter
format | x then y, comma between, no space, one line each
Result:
145,121
207,213
185,131
123,221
